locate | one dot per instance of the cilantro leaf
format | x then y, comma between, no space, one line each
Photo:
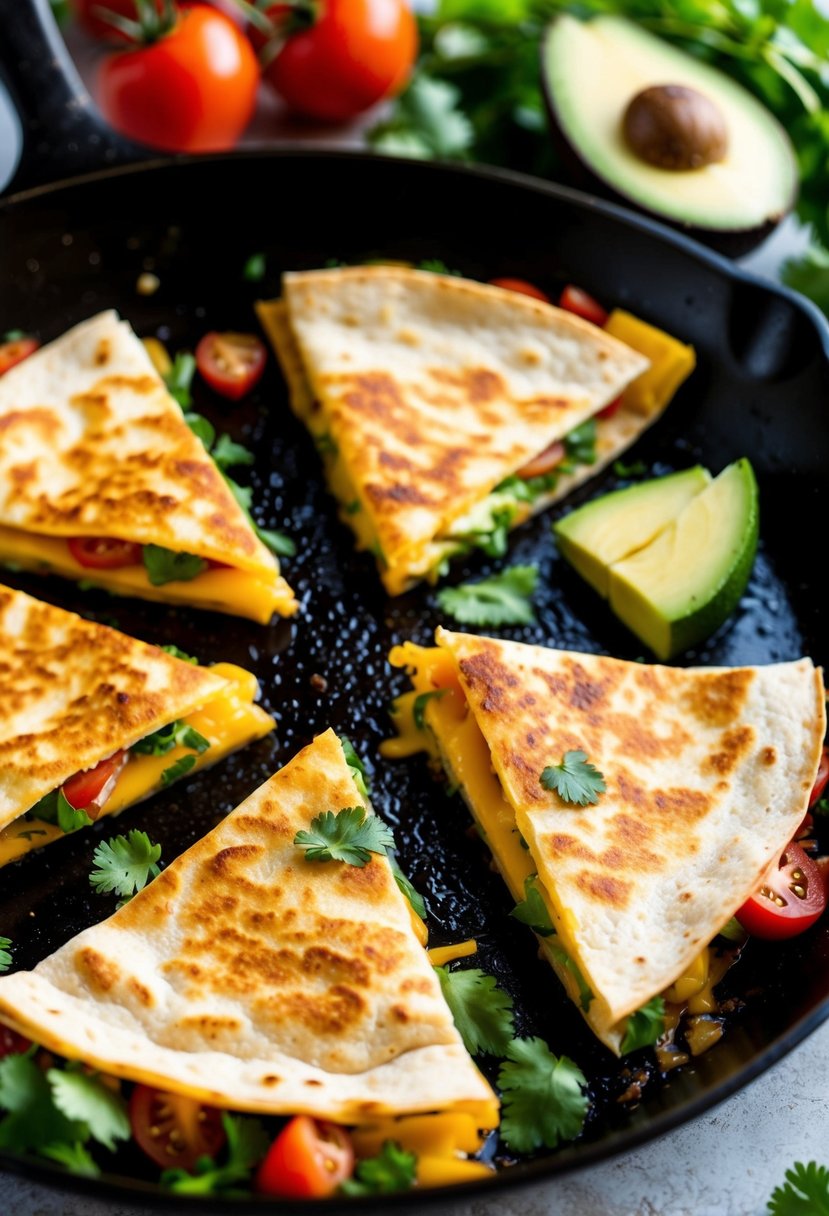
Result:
436,266
242,494
181,767
247,1143
805,1193
174,734
254,268
5,953
356,765
178,654
427,122
277,542
180,377
32,1118
421,701
13,335
125,864
821,807
644,1026
481,1011
575,779
414,897
74,1156
83,1097
580,444
56,808
543,1097
503,599
351,836
227,453
165,566
393,1169
554,948
532,910
637,468
201,427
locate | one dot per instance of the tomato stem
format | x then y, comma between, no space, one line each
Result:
154,20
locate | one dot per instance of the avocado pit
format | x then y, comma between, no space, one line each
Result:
674,127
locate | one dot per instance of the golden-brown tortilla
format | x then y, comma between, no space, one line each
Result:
708,774
252,978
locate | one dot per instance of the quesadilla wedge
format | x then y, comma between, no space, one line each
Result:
101,479
701,777
253,976
433,398
93,721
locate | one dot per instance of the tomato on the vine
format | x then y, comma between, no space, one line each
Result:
790,898
230,363
307,1160
173,1130
89,791
334,59
15,350
104,552
192,88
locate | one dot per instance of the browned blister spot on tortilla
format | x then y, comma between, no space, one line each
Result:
718,698
100,973
38,419
141,992
768,756
733,745
605,889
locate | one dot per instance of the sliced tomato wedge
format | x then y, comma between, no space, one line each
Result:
610,410
104,552
12,1043
230,363
821,778
307,1160
523,288
173,1130
574,300
791,897
89,791
544,462
14,352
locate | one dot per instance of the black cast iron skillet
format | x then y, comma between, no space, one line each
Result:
760,390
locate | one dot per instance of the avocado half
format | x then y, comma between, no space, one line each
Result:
592,70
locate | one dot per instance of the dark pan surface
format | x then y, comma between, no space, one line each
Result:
760,390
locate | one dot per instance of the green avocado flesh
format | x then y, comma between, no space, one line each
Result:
677,590
592,70
616,525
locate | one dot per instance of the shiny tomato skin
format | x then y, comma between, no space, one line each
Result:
544,462
173,1130
574,300
523,287
104,552
85,789
12,1043
230,363
821,778
354,54
15,351
192,91
612,408
762,917
307,1160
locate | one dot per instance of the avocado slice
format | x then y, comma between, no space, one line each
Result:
676,591
733,171
616,525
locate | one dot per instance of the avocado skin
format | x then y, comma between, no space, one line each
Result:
732,243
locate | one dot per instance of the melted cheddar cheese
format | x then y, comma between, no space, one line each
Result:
228,721
231,590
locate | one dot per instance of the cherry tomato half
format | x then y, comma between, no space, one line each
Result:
192,90
574,300
821,778
90,790
544,461
349,55
15,351
789,900
230,363
12,1043
522,287
174,1130
307,1160
104,552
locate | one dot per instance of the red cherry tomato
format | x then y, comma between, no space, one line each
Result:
12,1043
90,790
230,363
104,552
307,1160
92,15
610,410
16,351
174,1130
789,900
194,90
574,300
544,461
821,778
341,59
522,287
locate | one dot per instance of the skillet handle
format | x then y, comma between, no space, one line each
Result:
63,133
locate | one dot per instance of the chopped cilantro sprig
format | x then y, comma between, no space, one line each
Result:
804,1193
5,953
502,599
575,780
544,1097
124,864
247,1143
645,1026
481,1011
393,1169
351,835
